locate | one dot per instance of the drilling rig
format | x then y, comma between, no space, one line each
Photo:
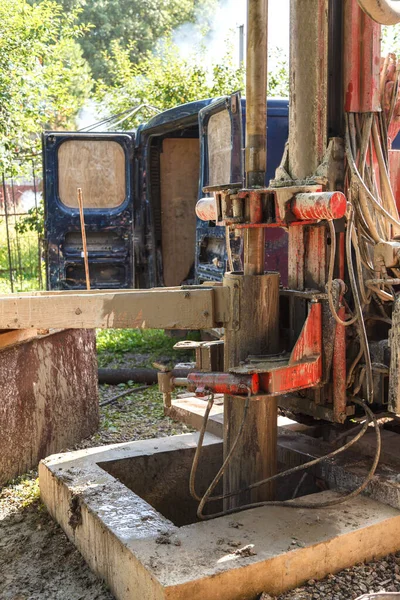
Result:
327,345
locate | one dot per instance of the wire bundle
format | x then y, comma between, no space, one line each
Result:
372,218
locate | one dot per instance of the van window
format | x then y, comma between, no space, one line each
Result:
96,166
219,148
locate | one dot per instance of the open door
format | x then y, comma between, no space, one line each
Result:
221,151
222,126
101,164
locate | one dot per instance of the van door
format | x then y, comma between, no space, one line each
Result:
221,150
222,161
101,164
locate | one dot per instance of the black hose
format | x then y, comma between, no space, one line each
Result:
290,504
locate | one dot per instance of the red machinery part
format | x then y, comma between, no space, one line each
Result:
362,58
319,205
206,209
223,383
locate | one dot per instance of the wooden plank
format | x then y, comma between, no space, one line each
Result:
146,309
96,166
19,336
179,170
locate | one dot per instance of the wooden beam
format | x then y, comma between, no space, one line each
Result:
160,308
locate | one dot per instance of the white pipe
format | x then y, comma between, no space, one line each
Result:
385,12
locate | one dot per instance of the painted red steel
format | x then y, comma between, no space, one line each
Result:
206,209
303,370
319,205
305,365
255,207
223,383
362,60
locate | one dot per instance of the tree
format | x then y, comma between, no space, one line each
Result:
134,24
44,79
164,78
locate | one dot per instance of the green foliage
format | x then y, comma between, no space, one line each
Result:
148,345
34,221
24,256
44,79
21,492
390,40
133,24
278,74
133,340
165,79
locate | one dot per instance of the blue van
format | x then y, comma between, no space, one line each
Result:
139,192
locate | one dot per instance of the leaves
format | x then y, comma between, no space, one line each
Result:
164,78
133,24
44,79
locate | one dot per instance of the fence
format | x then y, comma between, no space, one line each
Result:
21,227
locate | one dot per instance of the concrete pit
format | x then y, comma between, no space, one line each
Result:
128,510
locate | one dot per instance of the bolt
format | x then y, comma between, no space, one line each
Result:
235,323
187,295
206,313
78,311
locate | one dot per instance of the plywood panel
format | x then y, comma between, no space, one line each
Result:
219,148
179,171
98,167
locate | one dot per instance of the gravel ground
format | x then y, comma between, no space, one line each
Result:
37,561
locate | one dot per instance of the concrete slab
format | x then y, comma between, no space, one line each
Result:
143,554
49,397
190,410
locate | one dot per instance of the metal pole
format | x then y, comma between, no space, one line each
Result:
241,45
256,122
40,280
8,234
309,86
256,92
18,246
255,295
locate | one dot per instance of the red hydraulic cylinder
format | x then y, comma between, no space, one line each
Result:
223,383
319,205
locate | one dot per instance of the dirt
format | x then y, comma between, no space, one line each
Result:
38,562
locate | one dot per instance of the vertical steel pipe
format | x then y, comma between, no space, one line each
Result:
309,86
256,122
256,296
256,92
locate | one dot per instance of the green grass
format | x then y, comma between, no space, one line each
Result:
24,258
129,340
155,343
22,491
